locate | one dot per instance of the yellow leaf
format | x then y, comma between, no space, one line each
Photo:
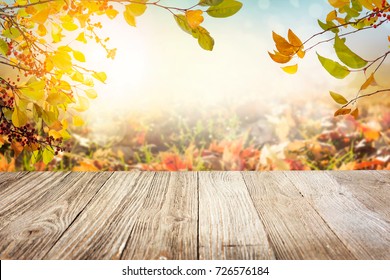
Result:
136,9
338,3
279,58
42,31
41,16
369,82
79,56
55,134
291,69
301,53
91,93
194,18
70,26
81,38
331,16
78,121
130,19
82,104
101,76
111,13
19,118
62,60
338,98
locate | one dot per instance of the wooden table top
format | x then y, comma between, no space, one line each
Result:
195,215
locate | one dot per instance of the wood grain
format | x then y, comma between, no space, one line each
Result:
370,188
20,195
33,233
189,215
363,231
229,226
295,229
101,231
165,226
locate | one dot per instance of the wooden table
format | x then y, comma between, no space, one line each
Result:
195,215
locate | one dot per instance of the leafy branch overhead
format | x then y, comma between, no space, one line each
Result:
346,18
46,84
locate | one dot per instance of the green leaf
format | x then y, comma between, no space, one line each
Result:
204,39
3,47
19,118
338,98
101,76
226,8
181,20
11,33
347,56
210,2
334,68
48,154
49,117
328,26
36,156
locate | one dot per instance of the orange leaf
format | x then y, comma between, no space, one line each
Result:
355,113
279,58
17,148
342,111
369,82
194,18
282,45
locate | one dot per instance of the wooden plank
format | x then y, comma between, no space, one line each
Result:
369,187
7,178
20,195
362,230
33,233
229,226
295,229
103,228
165,227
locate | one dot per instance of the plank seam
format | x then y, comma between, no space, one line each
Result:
78,215
319,215
271,244
197,222
132,229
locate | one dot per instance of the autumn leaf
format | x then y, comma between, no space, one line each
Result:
338,98
194,18
291,69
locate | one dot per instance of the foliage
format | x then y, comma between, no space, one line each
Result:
50,86
300,136
346,18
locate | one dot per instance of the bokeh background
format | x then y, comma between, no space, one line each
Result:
169,105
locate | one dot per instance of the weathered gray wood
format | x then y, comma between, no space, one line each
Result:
101,231
7,178
133,215
32,234
294,228
229,226
362,230
20,195
370,188
165,226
